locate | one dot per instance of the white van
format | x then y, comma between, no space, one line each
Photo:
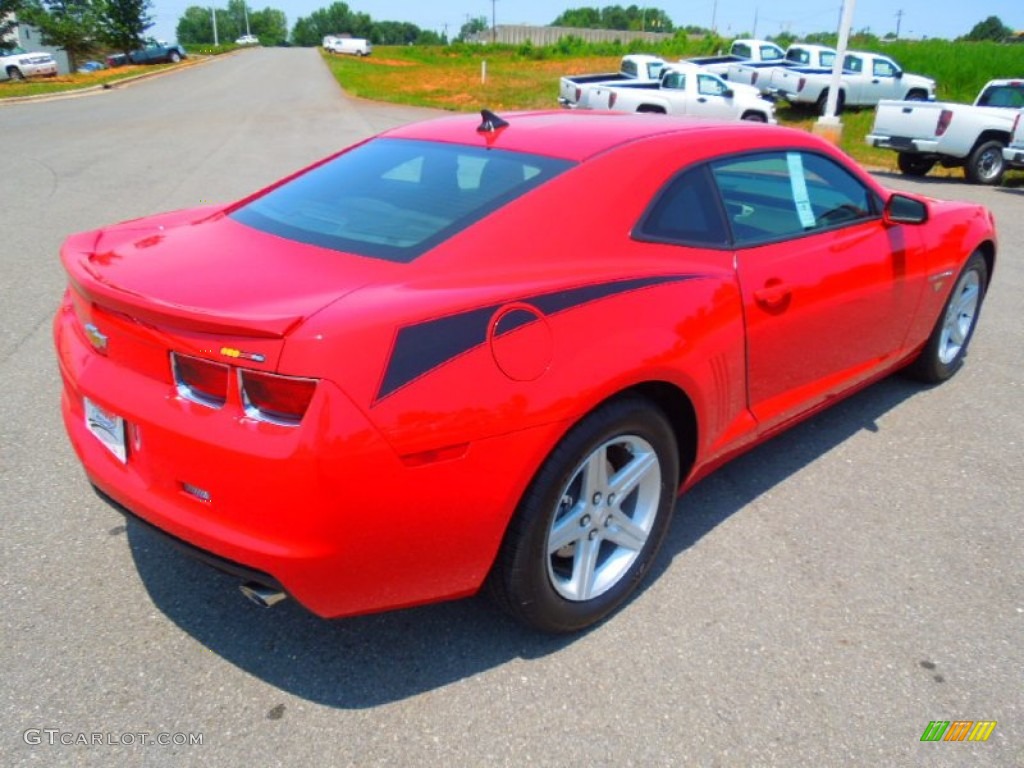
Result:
357,46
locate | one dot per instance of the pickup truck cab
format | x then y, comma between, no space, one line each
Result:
639,67
684,89
745,50
867,78
760,73
972,136
19,64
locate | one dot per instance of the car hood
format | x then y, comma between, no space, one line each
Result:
202,271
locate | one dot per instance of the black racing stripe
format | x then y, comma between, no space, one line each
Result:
420,348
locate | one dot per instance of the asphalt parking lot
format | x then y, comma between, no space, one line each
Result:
819,601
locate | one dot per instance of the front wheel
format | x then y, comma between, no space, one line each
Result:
911,164
946,348
985,164
15,74
755,117
175,57
588,528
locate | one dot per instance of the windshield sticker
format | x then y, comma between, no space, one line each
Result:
799,186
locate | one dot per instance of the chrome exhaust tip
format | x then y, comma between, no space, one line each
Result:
261,595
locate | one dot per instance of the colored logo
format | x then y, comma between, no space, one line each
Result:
97,339
958,730
238,354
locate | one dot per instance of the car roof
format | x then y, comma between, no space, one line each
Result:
577,135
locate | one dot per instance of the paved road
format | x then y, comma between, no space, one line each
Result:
819,601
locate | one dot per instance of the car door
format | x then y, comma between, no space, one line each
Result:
710,99
883,83
828,288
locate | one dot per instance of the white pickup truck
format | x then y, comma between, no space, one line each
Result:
19,64
763,74
867,78
684,89
746,50
637,67
1014,154
969,135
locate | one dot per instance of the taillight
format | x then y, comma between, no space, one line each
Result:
611,99
277,399
200,381
1016,122
801,84
753,79
945,118
579,92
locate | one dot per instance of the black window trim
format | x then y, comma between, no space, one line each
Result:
638,234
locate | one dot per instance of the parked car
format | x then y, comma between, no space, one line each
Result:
17,64
154,52
91,66
971,136
354,46
867,78
458,354
740,51
684,89
638,67
762,74
247,40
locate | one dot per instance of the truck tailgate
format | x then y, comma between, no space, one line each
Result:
907,119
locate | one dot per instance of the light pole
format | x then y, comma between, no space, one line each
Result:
213,12
829,125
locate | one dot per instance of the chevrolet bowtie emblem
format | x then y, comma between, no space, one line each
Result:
97,339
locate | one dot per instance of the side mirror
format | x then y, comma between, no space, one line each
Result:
901,209
898,74
728,93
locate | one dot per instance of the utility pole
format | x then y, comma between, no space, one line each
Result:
494,23
899,20
213,12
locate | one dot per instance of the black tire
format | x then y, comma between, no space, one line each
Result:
755,117
911,164
946,348
985,164
823,102
917,96
575,549
175,57
15,74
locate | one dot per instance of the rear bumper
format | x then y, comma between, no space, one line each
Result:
1014,156
903,143
326,510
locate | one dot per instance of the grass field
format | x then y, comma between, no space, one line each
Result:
455,78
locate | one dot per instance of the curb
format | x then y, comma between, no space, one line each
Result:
91,90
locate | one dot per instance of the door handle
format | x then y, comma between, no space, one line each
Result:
774,296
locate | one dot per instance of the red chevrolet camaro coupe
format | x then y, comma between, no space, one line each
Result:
469,354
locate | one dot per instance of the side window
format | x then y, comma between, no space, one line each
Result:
629,67
654,69
685,211
779,195
709,86
883,68
741,49
674,80
854,64
770,53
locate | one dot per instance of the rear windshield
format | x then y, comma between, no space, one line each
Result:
1008,95
395,199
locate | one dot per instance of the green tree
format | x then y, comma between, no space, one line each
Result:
8,23
123,22
337,19
270,25
70,25
991,28
195,27
616,17
472,27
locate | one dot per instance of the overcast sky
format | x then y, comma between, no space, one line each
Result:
920,18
